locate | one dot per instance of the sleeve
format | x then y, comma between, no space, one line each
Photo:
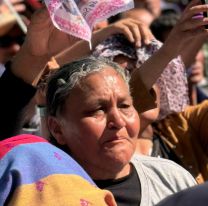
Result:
15,95
173,88
197,117
172,82
192,196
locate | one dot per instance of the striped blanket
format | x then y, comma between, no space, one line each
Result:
35,173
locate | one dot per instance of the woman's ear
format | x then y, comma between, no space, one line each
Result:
55,129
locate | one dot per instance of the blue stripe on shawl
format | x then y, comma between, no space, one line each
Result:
28,163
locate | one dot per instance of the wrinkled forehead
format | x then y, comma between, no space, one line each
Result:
100,86
104,78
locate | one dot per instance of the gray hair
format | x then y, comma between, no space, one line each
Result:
68,76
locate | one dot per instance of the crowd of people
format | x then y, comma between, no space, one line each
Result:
122,123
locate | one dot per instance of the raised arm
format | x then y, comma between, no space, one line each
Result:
134,30
182,34
43,41
16,88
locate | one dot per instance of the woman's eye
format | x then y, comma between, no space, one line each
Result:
96,111
101,109
124,106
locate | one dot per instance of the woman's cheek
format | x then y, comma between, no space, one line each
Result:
93,126
133,123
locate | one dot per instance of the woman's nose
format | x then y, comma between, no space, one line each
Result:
115,119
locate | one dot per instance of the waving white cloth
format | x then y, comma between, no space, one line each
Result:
77,17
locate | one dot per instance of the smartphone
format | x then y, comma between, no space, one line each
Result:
206,12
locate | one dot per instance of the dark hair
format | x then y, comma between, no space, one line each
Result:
163,24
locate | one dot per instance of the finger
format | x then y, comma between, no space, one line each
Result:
194,24
40,16
20,7
127,32
196,10
146,35
192,3
141,32
135,31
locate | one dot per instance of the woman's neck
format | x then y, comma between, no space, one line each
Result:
147,133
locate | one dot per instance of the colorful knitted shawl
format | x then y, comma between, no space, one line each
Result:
35,173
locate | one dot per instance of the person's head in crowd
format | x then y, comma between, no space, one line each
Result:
118,49
140,14
125,54
196,70
90,114
195,74
121,51
163,25
154,6
91,98
144,10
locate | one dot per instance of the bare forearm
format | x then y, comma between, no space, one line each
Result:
152,68
28,67
82,48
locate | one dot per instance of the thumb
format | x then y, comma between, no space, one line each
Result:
41,16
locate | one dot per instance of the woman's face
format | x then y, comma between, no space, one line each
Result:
100,125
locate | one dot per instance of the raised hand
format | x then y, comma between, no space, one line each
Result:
135,31
190,26
43,39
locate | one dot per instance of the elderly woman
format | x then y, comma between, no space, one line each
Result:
91,115
184,127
